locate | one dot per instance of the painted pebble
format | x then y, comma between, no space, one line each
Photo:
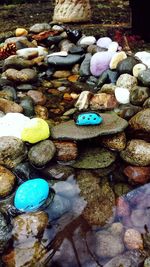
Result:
31,195
88,118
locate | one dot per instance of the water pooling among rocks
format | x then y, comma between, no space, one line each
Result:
97,211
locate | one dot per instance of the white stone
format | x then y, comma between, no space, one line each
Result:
61,54
138,68
122,95
144,57
113,47
104,42
26,52
118,57
87,40
12,124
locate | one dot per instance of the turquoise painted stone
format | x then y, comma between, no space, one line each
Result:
88,118
31,195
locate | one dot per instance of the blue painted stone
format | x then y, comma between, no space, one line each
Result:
88,118
31,195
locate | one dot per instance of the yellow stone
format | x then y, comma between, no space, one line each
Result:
35,130
21,32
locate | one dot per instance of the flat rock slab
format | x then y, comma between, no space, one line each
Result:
69,130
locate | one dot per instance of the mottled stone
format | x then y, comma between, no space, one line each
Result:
122,207
115,142
137,175
141,121
133,239
17,62
23,76
127,81
66,151
103,101
7,181
57,171
41,112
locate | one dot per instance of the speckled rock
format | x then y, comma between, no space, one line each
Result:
115,142
126,81
137,152
141,121
65,150
138,95
133,239
7,181
68,130
41,153
10,106
103,101
22,76
12,151
137,175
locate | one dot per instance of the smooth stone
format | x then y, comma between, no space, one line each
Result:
76,49
27,104
8,106
140,121
64,61
24,87
37,189
87,40
40,27
138,68
144,77
66,189
22,76
35,130
21,32
115,142
94,158
127,111
104,42
17,62
133,239
102,79
9,93
127,81
88,118
66,151
12,124
146,104
116,59
60,54
137,175
144,57
137,153
61,74
65,45
41,153
5,233
68,130
7,181
113,47
103,101
85,65
25,171
122,95
51,40
29,53
59,207
108,88
12,151
15,39
138,95
126,65
99,62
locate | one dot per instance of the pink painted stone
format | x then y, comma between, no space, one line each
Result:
100,62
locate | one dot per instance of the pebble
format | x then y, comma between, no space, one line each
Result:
104,42
7,181
22,76
113,47
83,100
122,95
118,57
66,151
29,53
99,62
87,40
133,239
8,106
126,81
103,101
21,32
144,57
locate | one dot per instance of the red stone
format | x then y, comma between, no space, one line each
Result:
138,175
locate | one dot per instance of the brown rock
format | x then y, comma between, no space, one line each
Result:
38,97
41,112
115,142
138,175
61,74
22,76
9,106
141,121
133,239
103,101
65,150
7,181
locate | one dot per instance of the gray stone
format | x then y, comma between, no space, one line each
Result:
69,130
85,66
126,65
40,27
59,61
144,77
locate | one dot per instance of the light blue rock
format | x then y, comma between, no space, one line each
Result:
31,195
88,118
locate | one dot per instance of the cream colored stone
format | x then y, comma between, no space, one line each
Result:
118,57
137,68
21,32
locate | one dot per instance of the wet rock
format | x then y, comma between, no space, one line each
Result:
103,101
5,233
60,206
138,95
85,65
66,151
38,97
67,189
116,59
94,158
12,151
127,111
108,88
68,130
126,65
41,153
126,81
8,92
7,181
141,121
22,76
137,152
29,225
17,62
137,175
10,106
59,61
133,239
26,103
99,196
25,171
115,142
58,172
144,77
139,218
83,100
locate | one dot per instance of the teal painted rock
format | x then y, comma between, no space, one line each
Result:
31,195
88,118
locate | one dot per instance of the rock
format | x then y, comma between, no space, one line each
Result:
99,62
38,97
133,239
66,189
121,188
137,152
94,158
88,118
25,87
41,153
32,52
122,95
83,100
108,88
115,142
21,32
12,151
22,76
144,77
29,225
126,81
85,65
60,54
104,42
68,130
99,196
137,69
140,121
126,65
61,74
57,172
41,112
17,63
87,40
5,232
116,59
122,207
40,27
103,101
66,151
113,47
28,106
147,262
139,94
136,220
64,61
9,106
127,111
13,40
35,130
144,57
7,181
25,171
147,103
37,189
60,206
137,175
